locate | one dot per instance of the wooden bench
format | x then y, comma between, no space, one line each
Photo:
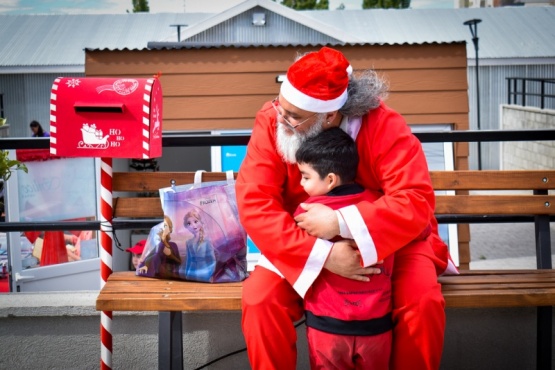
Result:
472,288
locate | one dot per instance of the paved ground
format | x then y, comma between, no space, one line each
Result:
504,245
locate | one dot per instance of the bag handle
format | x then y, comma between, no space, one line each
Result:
230,177
228,174
198,177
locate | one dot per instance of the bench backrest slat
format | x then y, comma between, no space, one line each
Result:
493,180
495,204
442,180
143,207
152,181
514,204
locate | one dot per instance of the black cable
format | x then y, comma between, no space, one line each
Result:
236,352
109,228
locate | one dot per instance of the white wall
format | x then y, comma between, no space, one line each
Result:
527,155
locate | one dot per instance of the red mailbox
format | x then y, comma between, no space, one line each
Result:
106,117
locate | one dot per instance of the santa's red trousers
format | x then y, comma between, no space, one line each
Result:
271,306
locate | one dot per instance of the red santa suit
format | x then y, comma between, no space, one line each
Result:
268,189
352,315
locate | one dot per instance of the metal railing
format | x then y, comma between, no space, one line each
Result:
524,88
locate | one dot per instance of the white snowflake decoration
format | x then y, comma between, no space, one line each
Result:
73,82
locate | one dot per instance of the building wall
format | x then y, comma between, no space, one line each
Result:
27,98
527,155
493,93
222,88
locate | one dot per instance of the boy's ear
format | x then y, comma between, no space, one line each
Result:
332,180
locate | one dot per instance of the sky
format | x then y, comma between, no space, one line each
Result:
160,6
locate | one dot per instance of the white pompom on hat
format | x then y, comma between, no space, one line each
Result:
318,81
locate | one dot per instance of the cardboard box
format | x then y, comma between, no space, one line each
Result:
106,117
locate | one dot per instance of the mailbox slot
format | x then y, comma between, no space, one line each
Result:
96,108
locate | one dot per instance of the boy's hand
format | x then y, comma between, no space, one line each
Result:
344,260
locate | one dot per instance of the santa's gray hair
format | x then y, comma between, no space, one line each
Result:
366,89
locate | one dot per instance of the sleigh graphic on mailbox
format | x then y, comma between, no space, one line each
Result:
92,138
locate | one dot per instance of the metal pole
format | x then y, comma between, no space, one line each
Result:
178,26
473,26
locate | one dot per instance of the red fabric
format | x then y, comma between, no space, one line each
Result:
366,300
418,310
29,155
331,351
322,75
53,249
32,235
270,306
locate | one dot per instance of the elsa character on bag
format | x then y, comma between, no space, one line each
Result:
201,259
165,261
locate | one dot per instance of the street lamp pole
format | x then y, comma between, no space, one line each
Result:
473,26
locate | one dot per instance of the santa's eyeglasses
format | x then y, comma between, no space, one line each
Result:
276,105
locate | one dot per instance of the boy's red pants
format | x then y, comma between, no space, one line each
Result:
271,306
348,352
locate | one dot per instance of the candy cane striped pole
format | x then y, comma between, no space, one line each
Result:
105,258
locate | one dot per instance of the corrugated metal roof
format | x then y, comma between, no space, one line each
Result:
60,40
507,32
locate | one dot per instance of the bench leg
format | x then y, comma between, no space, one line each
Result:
544,338
545,314
170,340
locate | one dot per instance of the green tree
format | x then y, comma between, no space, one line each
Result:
306,4
385,4
140,6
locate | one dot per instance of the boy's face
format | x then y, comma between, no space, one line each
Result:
135,259
311,181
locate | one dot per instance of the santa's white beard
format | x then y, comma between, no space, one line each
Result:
290,140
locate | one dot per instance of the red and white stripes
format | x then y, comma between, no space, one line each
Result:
105,257
146,117
53,116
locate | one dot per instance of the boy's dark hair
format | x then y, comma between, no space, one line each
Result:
331,151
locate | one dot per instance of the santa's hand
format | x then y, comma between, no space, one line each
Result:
318,220
344,260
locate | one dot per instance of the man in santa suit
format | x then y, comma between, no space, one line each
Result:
319,92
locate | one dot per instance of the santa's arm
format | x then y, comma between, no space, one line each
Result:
382,227
262,188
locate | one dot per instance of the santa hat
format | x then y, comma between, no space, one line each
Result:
318,81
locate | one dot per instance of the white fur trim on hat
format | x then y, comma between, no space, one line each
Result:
308,103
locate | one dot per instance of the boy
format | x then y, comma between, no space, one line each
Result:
348,322
136,252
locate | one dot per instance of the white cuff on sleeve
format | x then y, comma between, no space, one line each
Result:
361,235
343,228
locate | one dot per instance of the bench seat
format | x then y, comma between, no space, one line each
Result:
125,291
